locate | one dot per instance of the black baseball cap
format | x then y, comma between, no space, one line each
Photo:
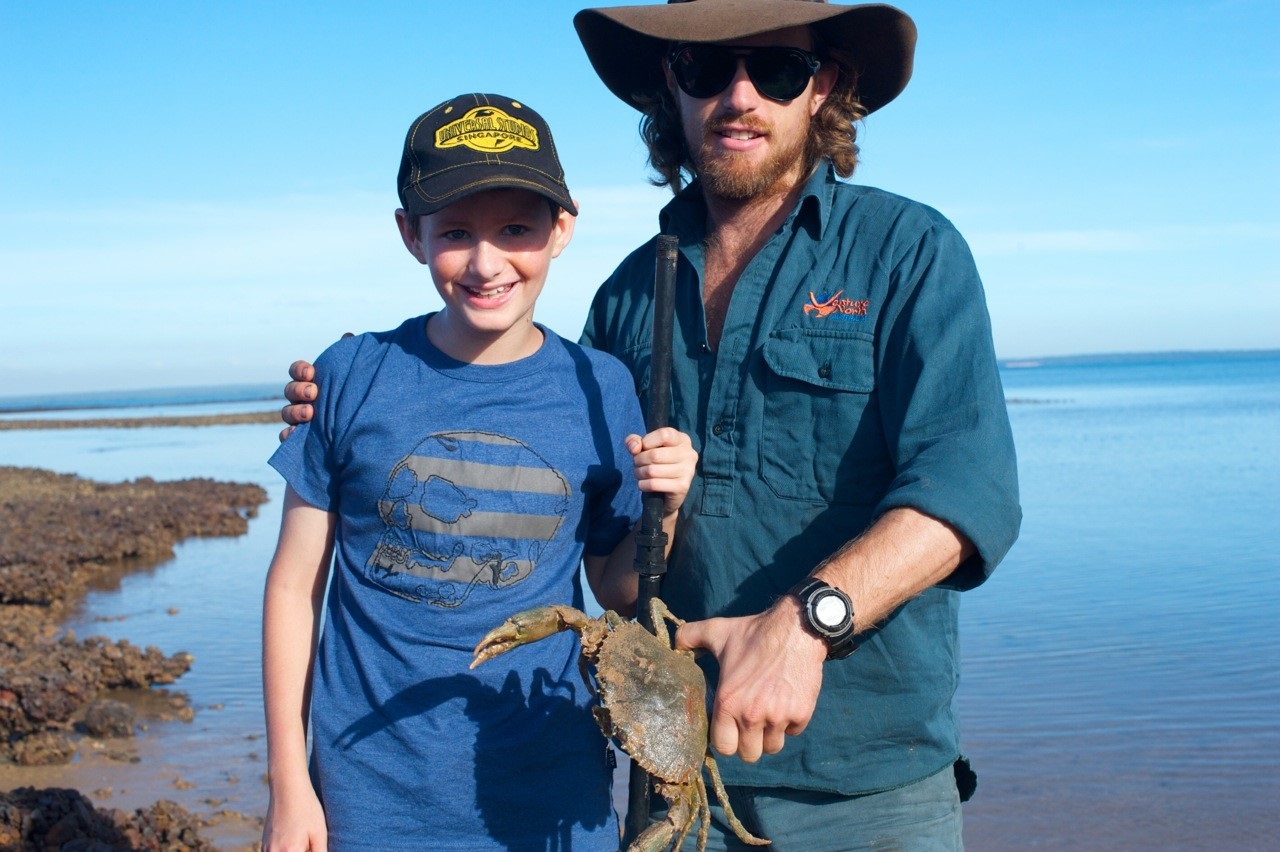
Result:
477,142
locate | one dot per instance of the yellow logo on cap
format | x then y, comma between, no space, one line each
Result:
488,130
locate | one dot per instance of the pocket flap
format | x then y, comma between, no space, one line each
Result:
840,360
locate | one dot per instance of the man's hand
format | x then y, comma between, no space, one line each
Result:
771,665
770,676
300,392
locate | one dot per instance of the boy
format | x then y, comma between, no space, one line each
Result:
457,470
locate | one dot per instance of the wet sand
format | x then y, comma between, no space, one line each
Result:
74,712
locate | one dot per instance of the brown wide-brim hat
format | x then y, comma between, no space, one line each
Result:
626,44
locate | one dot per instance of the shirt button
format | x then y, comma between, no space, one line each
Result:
824,371
718,429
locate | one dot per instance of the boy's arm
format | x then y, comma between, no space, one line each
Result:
664,464
290,627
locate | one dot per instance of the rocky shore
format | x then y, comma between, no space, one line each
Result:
141,422
57,532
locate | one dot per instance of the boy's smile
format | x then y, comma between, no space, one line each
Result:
489,254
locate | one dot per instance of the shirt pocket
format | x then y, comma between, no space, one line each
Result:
821,440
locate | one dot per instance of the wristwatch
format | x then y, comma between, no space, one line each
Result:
828,613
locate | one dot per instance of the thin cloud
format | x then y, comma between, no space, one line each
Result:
1116,240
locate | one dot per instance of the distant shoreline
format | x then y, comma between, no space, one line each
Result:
260,393
140,422
1108,358
241,418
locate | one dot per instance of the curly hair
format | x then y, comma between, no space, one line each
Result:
833,132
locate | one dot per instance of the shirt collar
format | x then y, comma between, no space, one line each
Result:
686,214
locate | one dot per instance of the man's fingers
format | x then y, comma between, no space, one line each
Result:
691,636
297,392
795,729
775,737
724,733
750,744
296,415
285,433
302,371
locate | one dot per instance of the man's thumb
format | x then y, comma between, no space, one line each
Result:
691,636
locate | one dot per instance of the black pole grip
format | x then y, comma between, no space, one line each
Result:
651,541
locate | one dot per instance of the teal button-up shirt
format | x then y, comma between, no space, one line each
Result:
855,374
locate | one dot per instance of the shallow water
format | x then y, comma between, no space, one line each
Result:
1120,680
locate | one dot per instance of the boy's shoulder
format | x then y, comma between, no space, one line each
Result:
344,355
599,360
350,343
604,370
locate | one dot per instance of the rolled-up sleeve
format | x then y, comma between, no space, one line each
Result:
942,403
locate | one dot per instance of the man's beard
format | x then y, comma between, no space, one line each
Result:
733,177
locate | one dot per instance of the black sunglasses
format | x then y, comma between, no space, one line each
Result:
778,73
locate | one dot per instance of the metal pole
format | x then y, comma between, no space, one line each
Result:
651,541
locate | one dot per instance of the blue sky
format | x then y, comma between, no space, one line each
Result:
198,193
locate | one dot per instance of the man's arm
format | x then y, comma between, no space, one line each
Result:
771,665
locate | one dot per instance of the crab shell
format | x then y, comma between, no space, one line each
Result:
653,700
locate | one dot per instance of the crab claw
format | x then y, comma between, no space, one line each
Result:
527,626
681,813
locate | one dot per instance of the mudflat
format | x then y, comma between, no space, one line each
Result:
141,422
63,697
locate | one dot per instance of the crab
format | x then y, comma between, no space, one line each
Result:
651,701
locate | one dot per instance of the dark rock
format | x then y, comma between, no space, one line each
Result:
107,718
43,748
67,820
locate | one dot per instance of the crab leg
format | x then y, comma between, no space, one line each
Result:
734,823
659,613
528,626
704,813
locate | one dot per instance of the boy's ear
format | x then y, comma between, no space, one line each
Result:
408,226
563,229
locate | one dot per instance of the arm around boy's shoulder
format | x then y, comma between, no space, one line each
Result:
304,458
356,358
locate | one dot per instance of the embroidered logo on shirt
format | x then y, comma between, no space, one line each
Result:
831,305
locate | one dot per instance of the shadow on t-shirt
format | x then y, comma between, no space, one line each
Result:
534,777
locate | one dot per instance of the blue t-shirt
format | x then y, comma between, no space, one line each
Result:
464,493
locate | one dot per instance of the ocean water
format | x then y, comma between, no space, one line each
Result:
1121,680
220,397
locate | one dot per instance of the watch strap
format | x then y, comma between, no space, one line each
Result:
840,644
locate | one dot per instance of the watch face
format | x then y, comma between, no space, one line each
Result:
830,611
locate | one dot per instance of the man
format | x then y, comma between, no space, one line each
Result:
835,369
